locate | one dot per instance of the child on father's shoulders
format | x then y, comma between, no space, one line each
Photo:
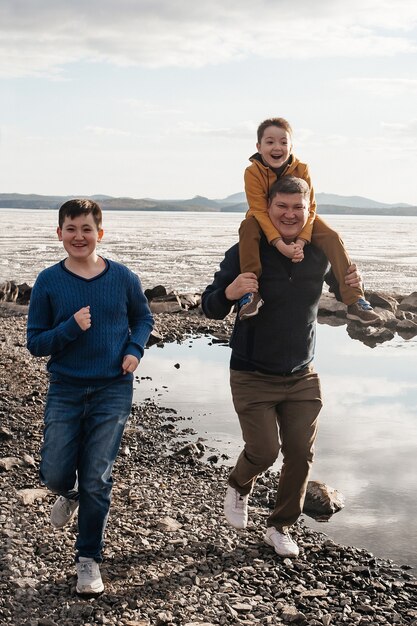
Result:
274,158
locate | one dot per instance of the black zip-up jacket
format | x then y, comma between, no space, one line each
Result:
281,338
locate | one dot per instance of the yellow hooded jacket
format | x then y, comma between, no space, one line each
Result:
258,181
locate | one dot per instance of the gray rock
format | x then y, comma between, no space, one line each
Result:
409,303
156,292
382,301
322,500
168,524
28,496
328,305
7,463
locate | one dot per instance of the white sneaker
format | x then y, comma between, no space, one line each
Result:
63,511
236,508
281,542
88,577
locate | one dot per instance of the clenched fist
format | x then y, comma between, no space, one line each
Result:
83,318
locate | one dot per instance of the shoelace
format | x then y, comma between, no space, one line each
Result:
240,501
86,571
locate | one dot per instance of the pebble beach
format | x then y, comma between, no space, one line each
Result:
170,557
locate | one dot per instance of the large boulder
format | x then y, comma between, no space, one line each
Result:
24,293
387,317
369,335
407,328
156,292
322,500
409,303
9,291
169,303
328,305
382,300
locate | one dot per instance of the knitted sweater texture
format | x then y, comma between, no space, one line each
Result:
121,322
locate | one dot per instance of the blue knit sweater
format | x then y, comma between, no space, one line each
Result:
121,322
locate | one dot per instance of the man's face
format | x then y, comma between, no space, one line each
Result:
289,213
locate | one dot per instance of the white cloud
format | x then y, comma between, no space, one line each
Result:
149,108
103,131
41,38
243,130
395,137
407,130
386,87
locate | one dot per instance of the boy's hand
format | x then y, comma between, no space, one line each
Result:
129,364
291,250
298,253
83,318
244,283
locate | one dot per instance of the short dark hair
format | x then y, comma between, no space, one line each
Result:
279,122
290,184
79,206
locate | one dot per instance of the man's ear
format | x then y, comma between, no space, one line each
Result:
59,233
100,234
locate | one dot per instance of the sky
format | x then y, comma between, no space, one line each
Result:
162,98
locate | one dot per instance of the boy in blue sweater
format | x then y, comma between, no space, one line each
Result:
91,317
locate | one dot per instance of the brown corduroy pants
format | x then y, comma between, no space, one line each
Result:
277,413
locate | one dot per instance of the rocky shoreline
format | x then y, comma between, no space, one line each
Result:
171,559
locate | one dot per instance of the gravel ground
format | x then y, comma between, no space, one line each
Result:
170,556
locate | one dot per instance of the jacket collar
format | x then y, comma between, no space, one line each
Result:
292,161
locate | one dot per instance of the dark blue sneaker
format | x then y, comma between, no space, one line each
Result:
249,305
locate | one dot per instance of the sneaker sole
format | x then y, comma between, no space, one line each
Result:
269,542
245,316
89,594
65,523
234,525
356,318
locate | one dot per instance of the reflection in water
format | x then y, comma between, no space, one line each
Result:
368,427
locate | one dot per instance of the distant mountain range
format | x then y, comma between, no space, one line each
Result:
236,203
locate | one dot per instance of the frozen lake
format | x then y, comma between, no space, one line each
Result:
182,250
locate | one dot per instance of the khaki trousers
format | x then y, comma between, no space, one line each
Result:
277,413
323,237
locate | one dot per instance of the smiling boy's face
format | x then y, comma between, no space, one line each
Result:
275,146
80,236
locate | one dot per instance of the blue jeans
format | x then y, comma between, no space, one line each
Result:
82,435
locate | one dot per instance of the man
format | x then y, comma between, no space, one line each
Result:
275,391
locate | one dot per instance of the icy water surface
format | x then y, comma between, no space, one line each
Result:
182,250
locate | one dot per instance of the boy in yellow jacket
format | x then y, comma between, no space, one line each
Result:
273,160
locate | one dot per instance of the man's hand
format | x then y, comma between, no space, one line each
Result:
353,277
83,318
244,283
129,364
